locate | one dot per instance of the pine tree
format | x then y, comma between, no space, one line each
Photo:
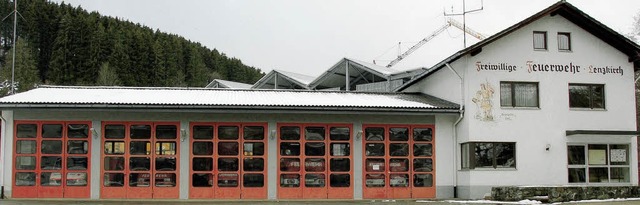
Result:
25,72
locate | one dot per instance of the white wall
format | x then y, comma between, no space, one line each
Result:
533,128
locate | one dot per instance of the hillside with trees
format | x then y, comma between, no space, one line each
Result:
64,45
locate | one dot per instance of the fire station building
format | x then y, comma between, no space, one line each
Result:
549,101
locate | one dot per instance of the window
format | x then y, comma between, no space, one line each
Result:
564,41
488,155
540,40
518,94
586,96
598,163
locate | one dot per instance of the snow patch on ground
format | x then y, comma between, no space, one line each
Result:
486,202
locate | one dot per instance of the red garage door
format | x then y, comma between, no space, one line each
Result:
398,161
51,159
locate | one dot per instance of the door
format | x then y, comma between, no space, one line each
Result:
398,161
51,159
238,151
314,161
140,160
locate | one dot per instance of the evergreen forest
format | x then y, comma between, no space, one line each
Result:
59,44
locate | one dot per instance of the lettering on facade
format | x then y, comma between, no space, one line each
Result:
483,100
533,67
495,67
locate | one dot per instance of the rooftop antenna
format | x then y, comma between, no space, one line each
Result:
15,25
464,14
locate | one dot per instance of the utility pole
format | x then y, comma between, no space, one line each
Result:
464,18
13,62
15,30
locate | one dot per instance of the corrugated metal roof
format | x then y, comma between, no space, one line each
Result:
302,78
74,96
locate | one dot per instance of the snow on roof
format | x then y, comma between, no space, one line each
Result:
230,84
78,96
381,69
304,79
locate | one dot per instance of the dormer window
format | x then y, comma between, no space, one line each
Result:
564,41
540,40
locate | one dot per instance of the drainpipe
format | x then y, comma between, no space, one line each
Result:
455,132
2,149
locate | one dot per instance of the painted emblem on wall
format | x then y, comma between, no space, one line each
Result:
483,100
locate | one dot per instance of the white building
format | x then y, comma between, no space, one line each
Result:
549,101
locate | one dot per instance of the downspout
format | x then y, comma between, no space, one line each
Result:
2,150
455,132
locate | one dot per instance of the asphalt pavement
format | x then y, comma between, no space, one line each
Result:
292,202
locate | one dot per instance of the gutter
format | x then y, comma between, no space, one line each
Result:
455,132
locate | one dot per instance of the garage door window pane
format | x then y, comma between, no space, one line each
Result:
140,132
113,163
77,131
289,133
314,133
25,163
51,163
422,180
202,148
340,149
398,134
25,147
290,164
202,180
51,147
202,132
114,131
340,180
374,133
422,150
25,179
253,180
339,133
314,149
202,164
113,179
51,131
165,163
340,164
139,163
290,149
253,148
314,180
228,132
227,180
228,148
422,165
253,133
374,149
77,163
166,132
253,164
27,131
228,164
140,148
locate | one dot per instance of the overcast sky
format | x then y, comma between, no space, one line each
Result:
309,36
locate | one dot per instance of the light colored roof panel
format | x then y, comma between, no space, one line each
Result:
230,84
304,79
70,96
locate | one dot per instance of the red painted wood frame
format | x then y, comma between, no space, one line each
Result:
140,160
398,161
228,160
309,156
52,159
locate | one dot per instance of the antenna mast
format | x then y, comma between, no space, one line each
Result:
15,28
464,18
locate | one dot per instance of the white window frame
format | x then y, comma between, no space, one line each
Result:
586,166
